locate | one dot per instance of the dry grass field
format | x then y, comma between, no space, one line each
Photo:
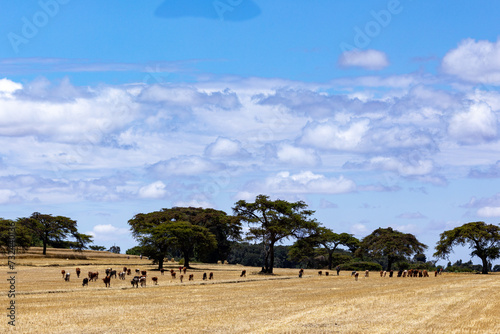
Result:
282,303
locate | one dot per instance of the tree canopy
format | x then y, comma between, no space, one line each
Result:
272,221
159,234
54,230
482,238
390,244
13,236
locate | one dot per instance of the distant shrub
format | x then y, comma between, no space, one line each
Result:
361,265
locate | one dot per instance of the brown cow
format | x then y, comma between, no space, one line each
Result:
125,269
301,272
129,271
107,281
243,273
142,280
426,274
155,279
356,275
184,270
173,274
204,276
436,273
93,276
367,273
78,271
320,273
135,281
162,271
381,273
143,273
211,276
63,273
191,277
181,277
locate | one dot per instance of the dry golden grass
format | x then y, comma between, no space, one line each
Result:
283,303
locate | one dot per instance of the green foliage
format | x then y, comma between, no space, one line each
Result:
136,250
361,266
273,221
464,267
114,249
483,239
251,255
13,233
159,234
391,245
97,248
52,230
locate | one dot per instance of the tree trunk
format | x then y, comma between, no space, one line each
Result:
45,237
389,263
271,260
160,262
485,265
330,260
186,260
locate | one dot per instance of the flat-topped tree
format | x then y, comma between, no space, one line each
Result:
13,236
272,221
482,238
49,229
159,234
390,244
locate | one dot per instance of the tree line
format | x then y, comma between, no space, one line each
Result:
209,235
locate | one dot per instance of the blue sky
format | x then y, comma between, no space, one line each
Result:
376,114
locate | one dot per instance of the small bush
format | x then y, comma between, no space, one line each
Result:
360,266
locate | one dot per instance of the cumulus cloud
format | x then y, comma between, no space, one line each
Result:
489,212
107,232
154,190
486,207
305,183
476,125
298,156
226,148
331,136
492,171
403,166
367,59
474,61
185,165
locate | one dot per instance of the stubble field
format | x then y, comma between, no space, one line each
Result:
282,303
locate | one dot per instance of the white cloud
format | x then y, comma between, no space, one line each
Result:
153,190
107,232
359,229
489,212
297,156
225,148
476,125
367,59
7,87
474,61
404,168
186,165
328,135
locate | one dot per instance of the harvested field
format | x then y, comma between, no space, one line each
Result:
282,303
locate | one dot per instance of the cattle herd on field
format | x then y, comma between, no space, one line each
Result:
140,276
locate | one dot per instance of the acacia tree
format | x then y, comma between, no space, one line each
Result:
482,238
159,235
331,240
273,221
49,229
390,244
13,236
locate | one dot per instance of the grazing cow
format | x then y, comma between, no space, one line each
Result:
385,273
162,271
108,271
63,273
426,274
93,276
135,281
191,277
143,273
78,271
122,275
436,273
204,276
180,270
125,269
320,273
112,273
410,273
381,273
173,274
129,271
243,273
405,273
211,276
400,273
356,275
107,281
137,271
142,280
85,282
155,280
367,273
184,270
67,277
181,277
327,273
301,272
391,273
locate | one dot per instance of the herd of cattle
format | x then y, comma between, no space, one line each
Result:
139,278
141,275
